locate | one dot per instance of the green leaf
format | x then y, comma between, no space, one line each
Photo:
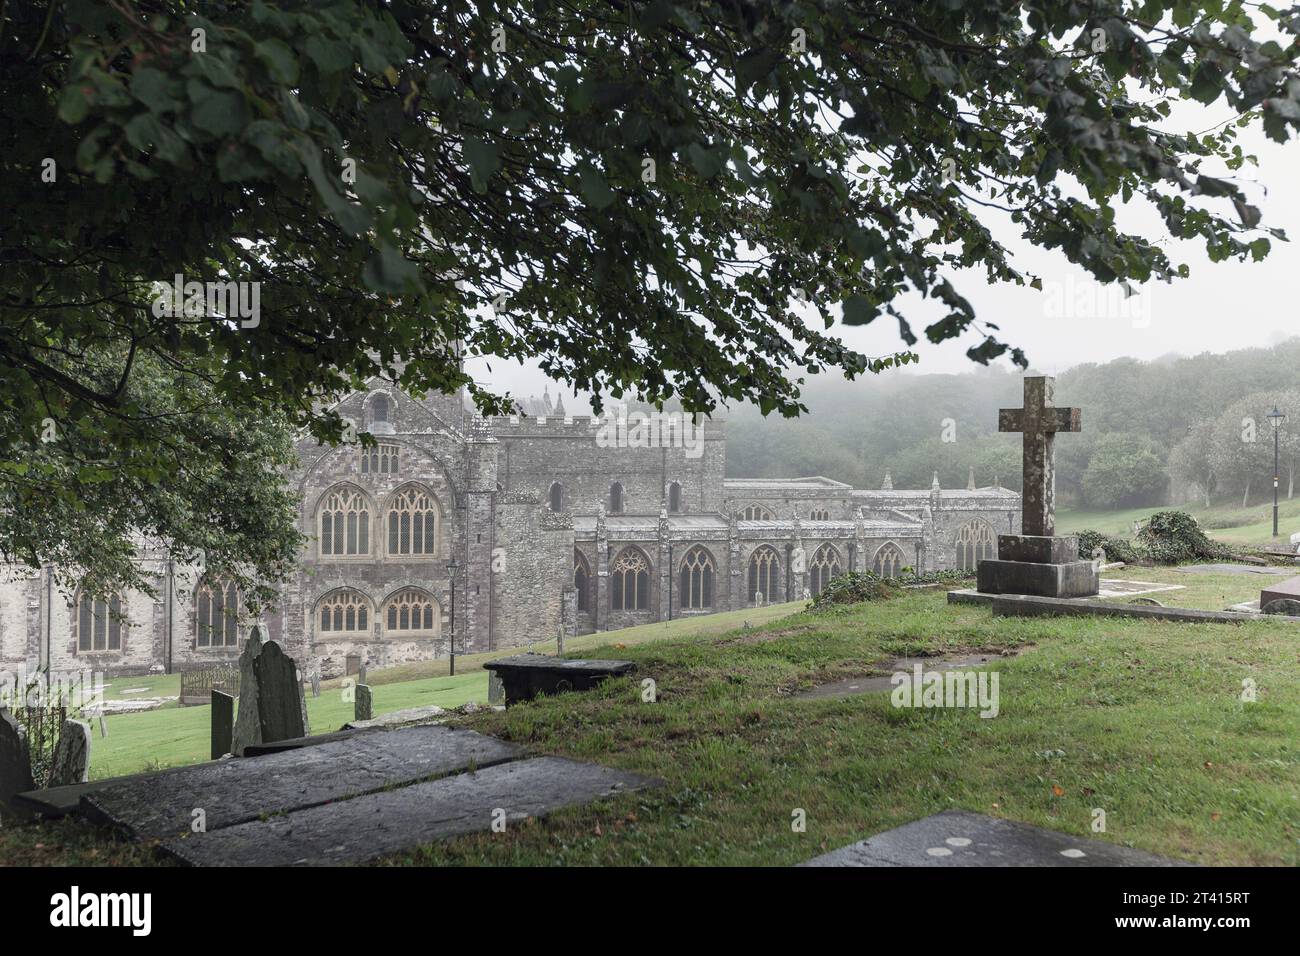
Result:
858,310
483,159
221,114
73,105
595,191
278,60
330,56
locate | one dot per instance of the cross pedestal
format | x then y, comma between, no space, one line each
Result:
1038,561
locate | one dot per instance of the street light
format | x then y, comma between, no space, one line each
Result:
451,571
1275,417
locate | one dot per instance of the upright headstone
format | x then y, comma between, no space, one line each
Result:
1038,561
361,673
71,763
496,689
223,724
315,681
271,702
364,709
15,765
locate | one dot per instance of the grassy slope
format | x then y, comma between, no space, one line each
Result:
1229,523
1141,719
175,736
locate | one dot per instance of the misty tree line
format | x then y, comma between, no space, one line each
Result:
1167,431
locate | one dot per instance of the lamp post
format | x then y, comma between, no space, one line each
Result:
451,571
1275,418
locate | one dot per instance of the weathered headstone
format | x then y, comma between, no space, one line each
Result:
1038,561
496,689
271,702
103,726
315,682
364,708
15,764
223,724
361,673
1285,606
71,763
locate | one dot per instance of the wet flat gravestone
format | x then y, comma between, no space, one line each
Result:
233,791
524,676
960,838
394,821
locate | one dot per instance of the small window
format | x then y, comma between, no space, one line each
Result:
616,499
674,497
380,460
379,408
557,497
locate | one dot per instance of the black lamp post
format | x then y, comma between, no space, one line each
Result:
1275,417
451,571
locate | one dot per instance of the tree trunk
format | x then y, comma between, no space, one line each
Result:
1245,497
1290,480
1208,478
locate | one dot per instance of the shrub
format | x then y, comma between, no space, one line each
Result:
855,587
1115,549
1172,537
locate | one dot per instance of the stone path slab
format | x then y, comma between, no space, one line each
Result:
364,828
230,792
960,838
1232,569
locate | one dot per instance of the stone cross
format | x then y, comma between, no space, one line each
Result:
1039,421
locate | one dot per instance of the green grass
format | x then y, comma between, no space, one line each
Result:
174,736
1142,719
1231,524
1208,592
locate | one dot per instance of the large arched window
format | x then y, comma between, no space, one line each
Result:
412,612
99,623
764,575
695,585
412,522
975,542
629,581
616,498
824,566
674,497
344,612
756,513
216,614
344,523
582,580
557,496
889,560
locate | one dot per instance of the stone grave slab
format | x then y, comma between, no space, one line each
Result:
367,827
527,675
234,791
964,839
1232,569
410,717
1024,605
884,680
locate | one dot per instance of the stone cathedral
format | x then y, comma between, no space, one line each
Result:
543,523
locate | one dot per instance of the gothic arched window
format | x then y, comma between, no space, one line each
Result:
756,513
344,612
629,581
582,580
412,522
695,589
380,459
345,523
889,560
975,542
557,497
674,497
764,575
379,408
216,614
824,566
412,613
819,514
616,498
99,623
